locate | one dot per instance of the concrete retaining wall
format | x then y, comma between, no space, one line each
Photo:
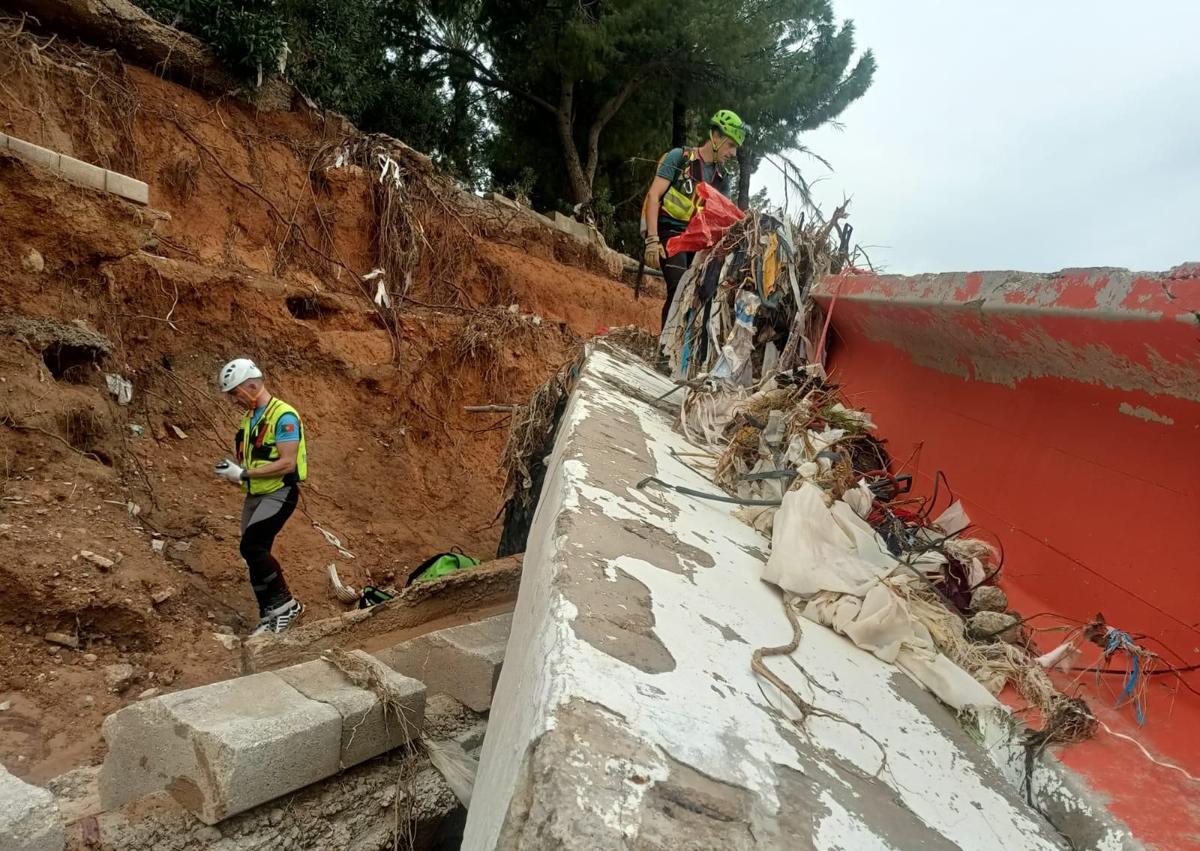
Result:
627,714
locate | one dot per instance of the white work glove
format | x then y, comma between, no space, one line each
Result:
655,253
229,471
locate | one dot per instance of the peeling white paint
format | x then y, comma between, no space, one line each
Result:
1144,413
841,830
710,711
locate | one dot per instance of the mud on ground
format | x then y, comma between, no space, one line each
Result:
253,244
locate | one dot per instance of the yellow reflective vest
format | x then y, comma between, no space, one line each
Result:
256,448
679,201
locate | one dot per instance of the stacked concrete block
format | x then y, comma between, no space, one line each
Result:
223,748
463,661
29,818
369,726
77,171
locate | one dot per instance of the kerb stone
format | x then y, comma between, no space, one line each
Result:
127,187
463,661
29,818
81,173
221,748
369,728
32,153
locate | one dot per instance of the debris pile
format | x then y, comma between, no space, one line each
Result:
906,578
742,310
530,440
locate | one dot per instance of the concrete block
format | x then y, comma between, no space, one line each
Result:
368,728
3,142
127,187
32,153
29,818
463,661
497,198
84,174
220,749
575,228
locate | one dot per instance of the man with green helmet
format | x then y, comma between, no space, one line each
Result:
671,200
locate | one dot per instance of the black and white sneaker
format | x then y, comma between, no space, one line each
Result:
278,619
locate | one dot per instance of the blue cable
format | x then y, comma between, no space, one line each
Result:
1118,640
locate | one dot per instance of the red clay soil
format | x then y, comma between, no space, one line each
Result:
245,250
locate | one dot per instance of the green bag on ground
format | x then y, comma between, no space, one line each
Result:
435,567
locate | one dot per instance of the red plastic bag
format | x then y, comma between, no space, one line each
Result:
714,214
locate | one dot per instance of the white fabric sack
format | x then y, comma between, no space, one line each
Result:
831,557
811,552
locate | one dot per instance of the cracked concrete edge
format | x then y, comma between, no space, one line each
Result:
1062,797
1074,291
1008,327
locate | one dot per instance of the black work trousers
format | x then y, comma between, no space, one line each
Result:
263,516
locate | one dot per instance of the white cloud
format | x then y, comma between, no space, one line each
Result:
1024,135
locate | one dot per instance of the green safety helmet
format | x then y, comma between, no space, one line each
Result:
727,121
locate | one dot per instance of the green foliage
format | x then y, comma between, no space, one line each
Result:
247,35
565,76
346,55
568,103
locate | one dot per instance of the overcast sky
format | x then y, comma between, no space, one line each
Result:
1027,134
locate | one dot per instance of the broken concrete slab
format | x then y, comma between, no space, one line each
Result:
463,661
627,711
492,585
29,817
359,808
222,748
369,727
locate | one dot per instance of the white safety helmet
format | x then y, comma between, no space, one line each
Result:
237,371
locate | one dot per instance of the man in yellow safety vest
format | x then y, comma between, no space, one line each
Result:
671,200
272,460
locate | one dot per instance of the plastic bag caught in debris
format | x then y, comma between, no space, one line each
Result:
455,765
120,388
714,214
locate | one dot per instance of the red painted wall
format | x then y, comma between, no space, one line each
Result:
1065,410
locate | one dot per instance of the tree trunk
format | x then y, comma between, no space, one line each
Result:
458,135
581,187
678,120
138,38
577,178
746,164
